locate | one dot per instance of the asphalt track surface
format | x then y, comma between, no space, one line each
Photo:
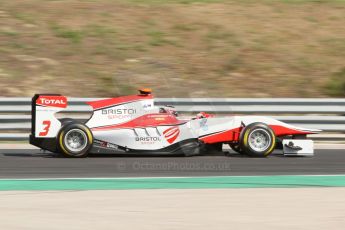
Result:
36,164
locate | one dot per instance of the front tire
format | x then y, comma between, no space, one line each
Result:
257,140
75,140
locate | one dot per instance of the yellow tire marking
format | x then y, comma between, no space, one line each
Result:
245,137
87,131
89,134
273,145
61,143
245,141
82,128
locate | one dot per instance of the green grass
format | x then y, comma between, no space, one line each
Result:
17,45
336,85
222,45
75,36
160,2
309,1
184,27
174,1
25,17
9,33
336,46
98,31
159,38
232,64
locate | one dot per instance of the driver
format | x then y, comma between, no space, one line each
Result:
169,109
203,115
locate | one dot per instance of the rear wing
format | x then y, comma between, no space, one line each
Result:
44,124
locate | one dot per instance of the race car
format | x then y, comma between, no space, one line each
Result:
133,124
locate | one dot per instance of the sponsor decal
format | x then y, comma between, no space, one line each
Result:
105,144
147,106
160,119
171,134
157,116
101,143
52,101
119,113
147,140
112,146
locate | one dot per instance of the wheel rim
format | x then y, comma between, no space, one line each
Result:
259,140
75,140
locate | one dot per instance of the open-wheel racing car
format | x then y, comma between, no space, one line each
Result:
133,124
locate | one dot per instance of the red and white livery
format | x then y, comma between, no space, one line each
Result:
133,124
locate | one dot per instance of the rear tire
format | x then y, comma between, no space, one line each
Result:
75,140
257,140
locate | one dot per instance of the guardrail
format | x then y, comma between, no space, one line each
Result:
325,114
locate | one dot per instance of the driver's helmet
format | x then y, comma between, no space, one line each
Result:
169,109
203,115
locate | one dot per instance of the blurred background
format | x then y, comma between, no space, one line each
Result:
179,48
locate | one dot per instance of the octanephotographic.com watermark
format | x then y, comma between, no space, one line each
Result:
144,165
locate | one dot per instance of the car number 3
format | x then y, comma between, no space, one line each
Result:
45,131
